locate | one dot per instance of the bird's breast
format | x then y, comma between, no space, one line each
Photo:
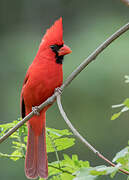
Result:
43,79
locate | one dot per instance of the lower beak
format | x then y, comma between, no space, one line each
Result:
64,50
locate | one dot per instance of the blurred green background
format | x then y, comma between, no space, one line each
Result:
88,99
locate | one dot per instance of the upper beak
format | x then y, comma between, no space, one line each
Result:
64,50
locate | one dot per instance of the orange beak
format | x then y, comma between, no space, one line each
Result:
64,50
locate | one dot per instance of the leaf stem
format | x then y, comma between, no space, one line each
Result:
64,171
56,153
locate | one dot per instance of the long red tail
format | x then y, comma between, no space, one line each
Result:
36,157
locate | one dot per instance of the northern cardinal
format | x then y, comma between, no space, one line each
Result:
43,76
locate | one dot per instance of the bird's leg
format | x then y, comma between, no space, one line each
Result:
58,91
35,110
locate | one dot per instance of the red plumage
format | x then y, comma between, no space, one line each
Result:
43,76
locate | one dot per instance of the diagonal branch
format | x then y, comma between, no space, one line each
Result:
95,53
88,60
78,135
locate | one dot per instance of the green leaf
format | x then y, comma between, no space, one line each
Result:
22,131
60,144
92,173
74,162
18,144
124,109
57,174
55,133
115,116
84,174
25,139
66,167
64,143
58,139
103,170
122,157
13,156
7,126
126,102
16,155
121,154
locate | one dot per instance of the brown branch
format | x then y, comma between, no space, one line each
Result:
70,78
95,53
83,140
31,114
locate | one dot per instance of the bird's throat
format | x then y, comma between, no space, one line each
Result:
59,59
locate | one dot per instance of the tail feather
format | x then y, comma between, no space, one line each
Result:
31,157
42,156
36,156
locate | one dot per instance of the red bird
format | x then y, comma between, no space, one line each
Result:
43,76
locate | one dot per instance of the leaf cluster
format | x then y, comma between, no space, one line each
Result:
67,168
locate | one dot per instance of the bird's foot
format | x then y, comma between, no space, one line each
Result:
58,91
35,109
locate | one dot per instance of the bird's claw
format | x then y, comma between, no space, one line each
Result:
35,109
58,91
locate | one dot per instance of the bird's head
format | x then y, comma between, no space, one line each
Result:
52,43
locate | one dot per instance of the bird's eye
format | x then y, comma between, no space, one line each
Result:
52,46
55,47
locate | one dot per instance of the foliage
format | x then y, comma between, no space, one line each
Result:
57,140
67,168
122,157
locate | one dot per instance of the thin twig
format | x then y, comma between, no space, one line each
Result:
75,132
55,149
64,171
70,78
83,140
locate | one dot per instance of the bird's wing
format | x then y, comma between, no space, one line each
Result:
22,103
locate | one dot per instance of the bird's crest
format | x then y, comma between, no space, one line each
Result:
54,35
